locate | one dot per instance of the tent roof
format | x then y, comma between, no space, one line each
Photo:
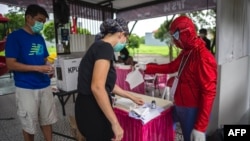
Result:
131,9
116,4
124,4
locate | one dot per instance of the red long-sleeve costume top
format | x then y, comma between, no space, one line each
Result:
197,82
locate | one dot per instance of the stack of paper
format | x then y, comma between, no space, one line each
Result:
145,113
140,112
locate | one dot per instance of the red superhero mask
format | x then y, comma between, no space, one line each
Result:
183,32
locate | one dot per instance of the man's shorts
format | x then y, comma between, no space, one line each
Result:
35,107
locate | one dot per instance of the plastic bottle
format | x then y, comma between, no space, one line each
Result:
153,104
60,48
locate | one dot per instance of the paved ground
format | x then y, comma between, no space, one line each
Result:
6,84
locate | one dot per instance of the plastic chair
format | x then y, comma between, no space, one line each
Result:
161,81
150,80
166,94
156,82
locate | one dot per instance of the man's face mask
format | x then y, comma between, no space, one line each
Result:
37,27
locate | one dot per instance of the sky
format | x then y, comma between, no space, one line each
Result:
3,9
141,27
145,26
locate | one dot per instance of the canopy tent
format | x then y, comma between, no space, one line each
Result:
165,8
84,12
131,9
99,10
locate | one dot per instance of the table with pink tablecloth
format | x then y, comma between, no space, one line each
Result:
158,129
121,74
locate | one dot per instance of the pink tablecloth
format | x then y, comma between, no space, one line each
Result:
120,81
158,129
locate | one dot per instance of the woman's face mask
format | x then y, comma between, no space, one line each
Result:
119,46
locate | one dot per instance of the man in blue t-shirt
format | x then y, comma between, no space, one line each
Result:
26,55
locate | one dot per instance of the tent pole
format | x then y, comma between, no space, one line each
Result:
133,27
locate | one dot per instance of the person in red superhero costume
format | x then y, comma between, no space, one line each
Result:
196,80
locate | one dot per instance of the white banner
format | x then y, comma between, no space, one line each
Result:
166,8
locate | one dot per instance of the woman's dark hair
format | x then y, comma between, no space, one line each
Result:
123,24
113,26
34,9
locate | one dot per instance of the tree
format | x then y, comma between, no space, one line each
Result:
142,40
163,34
49,31
2,31
16,21
16,16
134,42
204,19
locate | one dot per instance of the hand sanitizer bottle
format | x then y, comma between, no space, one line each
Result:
153,104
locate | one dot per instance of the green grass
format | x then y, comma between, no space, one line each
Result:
158,50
